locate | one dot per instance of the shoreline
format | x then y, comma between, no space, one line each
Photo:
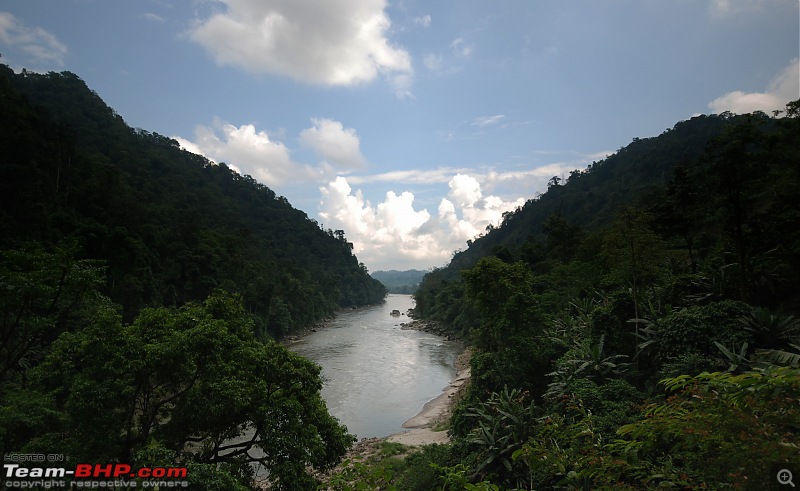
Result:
421,429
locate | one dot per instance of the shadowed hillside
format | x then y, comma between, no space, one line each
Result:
171,226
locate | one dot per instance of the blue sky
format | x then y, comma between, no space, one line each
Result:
409,124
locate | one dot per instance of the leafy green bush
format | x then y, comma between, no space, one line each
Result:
612,404
695,329
420,472
503,423
719,431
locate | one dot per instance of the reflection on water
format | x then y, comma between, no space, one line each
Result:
376,374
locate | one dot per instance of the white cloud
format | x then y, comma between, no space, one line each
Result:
432,62
477,212
39,44
782,89
393,234
524,181
424,20
345,209
460,48
249,151
189,146
484,121
257,153
153,17
438,175
401,84
448,63
334,143
464,190
328,42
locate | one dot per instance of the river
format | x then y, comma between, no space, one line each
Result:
376,374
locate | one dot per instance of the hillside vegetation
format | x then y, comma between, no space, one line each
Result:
636,326
169,225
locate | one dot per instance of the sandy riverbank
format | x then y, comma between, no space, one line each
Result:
421,428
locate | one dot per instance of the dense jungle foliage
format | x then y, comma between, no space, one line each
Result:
635,327
142,288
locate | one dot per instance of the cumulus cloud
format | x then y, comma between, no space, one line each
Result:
35,42
464,190
783,88
254,152
328,42
477,212
249,151
393,234
334,143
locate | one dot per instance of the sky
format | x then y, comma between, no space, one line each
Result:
412,125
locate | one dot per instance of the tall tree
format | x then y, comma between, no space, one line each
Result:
633,252
196,382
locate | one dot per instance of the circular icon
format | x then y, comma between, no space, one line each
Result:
785,477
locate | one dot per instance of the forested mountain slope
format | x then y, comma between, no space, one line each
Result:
574,211
637,326
170,225
590,198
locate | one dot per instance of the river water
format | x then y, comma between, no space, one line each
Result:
377,375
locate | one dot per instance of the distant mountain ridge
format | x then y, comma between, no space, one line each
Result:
400,281
170,225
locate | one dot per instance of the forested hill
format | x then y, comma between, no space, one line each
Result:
716,190
638,325
169,225
400,281
590,198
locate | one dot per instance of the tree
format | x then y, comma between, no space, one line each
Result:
679,208
42,294
633,252
735,161
196,382
563,239
504,423
502,292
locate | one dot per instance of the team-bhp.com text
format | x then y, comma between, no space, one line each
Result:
93,476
